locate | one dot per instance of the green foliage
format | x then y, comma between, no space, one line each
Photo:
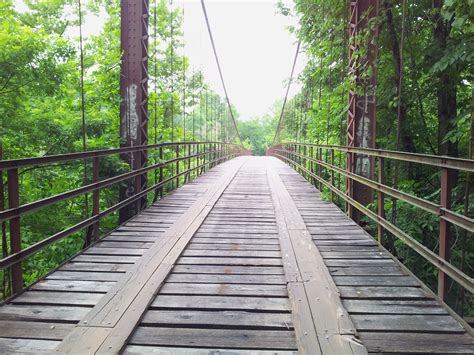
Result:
435,105
40,110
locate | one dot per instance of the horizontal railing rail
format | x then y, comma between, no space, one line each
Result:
426,159
302,158
190,159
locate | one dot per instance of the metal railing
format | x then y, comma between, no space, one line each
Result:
188,159
317,163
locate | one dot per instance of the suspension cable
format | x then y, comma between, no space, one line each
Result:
83,110
193,103
203,5
155,71
171,71
280,121
184,86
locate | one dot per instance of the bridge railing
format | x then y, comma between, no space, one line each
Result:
319,164
173,163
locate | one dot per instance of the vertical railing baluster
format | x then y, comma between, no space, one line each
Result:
444,232
381,199
95,197
161,171
304,161
15,230
177,165
320,169
189,162
332,174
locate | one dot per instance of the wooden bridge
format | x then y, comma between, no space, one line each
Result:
246,259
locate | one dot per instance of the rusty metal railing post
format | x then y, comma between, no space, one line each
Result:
95,197
380,199
320,168
332,175
161,172
177,165
444,232
15,231
305,161
189,162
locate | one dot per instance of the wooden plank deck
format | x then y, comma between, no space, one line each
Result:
246,259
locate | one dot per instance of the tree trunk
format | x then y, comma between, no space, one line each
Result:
446,88
404,139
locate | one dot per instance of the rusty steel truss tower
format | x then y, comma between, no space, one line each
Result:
134,96
361,115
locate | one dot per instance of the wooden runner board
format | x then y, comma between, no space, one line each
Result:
216,299
321,323
391,310
121,309
67,295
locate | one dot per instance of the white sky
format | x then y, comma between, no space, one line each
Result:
255,50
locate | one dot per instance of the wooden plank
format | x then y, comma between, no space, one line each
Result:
105,259
229,270
224,289
375,292
229,261
100,267
85,276
221,302
134,239
35,330
114,251
385,280
228,338
230,279
246,241
233,246
58,298
139,349
123,244
26,346
44,313
254,235
355,255
232,253
73,286
359,262
393,307
367,271
406,343
217,318
401,323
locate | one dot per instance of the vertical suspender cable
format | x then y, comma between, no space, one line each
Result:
184,89
193,103
280,121
155,73
205,121
201,88
203,5
83,111
171,71
399,89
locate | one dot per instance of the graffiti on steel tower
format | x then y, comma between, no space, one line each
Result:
131,125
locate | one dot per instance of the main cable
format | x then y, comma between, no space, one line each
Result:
287,91
203,5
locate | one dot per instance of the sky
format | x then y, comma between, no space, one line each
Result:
255,50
